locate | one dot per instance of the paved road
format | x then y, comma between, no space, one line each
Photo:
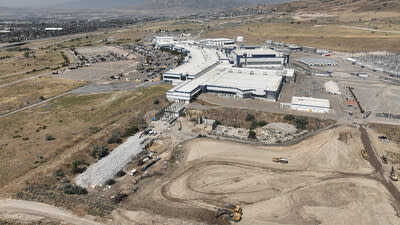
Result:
36,104
89,89
377,164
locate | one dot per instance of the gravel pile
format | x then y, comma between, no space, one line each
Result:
283,128
106,168
276,132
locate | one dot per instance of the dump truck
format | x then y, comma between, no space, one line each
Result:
364,154
393,176
280,160
235,212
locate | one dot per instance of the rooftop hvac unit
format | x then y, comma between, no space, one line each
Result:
251,72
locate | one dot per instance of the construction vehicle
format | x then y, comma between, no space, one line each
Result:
393,176
364,154
280,160
235,212
384,160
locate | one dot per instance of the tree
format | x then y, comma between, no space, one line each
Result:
99,151
301,123
77,166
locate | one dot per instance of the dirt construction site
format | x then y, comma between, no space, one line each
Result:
326,181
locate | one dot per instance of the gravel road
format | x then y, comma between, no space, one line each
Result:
107,167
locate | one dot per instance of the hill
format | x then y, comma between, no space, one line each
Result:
159,4
325,6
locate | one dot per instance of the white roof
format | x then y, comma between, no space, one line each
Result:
311,102
257,51
216,39
225,76
317,61
201,59
164,37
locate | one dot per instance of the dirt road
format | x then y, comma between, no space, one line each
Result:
31,211
377,164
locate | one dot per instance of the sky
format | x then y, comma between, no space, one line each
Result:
29,3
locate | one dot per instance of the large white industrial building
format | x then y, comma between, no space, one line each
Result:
309,104
241,82
200,60
259,58
208,68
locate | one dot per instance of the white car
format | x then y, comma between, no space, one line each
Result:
133,172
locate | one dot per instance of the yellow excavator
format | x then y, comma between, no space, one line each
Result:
235,212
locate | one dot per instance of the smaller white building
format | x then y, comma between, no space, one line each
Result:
218,42
163,41
308,104
53,29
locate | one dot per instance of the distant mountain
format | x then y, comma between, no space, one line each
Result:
324,6
160,4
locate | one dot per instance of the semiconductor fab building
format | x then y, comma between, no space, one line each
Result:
240,82
209,67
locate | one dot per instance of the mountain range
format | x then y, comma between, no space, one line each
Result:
135,4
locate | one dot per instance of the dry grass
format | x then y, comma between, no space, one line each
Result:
74,125
238,118
335,37
392,132
29,92
37,60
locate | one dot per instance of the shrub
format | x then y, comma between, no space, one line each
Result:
110,182
114,139
289,117
250,117
156,102
49,137
42,98
71,189
119,197
130,131
301,123
252,134
77,166
120,173
262,123
99,151
59,173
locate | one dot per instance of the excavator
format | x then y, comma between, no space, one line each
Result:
235,212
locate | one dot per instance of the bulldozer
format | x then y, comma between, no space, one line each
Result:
235,212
